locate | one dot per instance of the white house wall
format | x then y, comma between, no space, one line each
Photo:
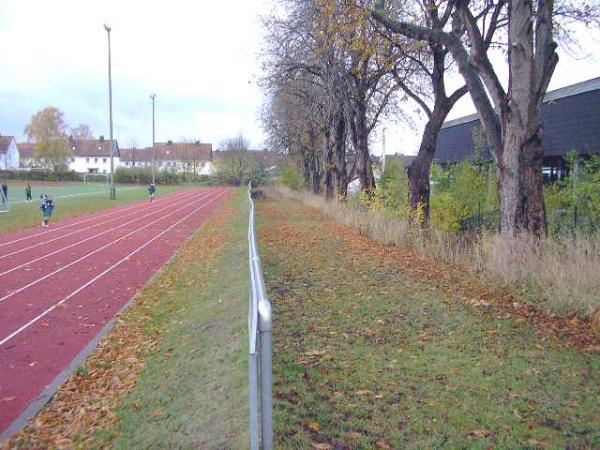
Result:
87,164
10,159
202,168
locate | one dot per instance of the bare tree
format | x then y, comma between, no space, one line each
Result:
509,117
82,131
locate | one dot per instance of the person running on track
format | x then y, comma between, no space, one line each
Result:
28,193
5,192
152,191
47,207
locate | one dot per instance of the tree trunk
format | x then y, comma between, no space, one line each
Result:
521,192
315,173
329,170
364,169
341,171
329,160
306,169
419,170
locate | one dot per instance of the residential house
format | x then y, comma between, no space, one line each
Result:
268,160
570,118
9,153
93,155
190,158
27,155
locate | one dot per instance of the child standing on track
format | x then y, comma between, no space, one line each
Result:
47,207
28,193
152,191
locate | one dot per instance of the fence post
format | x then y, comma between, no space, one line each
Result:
266,379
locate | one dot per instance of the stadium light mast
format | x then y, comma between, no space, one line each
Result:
113,193
152,97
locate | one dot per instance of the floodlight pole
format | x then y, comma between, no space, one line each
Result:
153,96
113,193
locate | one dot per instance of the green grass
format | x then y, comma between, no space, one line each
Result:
368,356
26,215
193,392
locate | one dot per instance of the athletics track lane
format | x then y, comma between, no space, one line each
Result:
38,339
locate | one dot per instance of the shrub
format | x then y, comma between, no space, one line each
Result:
290,178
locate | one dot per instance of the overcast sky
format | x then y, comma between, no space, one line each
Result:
199,57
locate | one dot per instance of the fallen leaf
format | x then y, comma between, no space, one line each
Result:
480,433
314,426
364,392
383,444
321,446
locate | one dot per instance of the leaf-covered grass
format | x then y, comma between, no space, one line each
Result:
194,390
375,347
173,371
27,215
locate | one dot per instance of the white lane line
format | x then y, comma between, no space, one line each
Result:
100,216
72,233
97,277
87,255
154,211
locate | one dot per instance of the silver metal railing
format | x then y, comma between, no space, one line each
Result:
260,347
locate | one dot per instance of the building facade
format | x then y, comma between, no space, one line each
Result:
9,153
570,118
189,158
93,155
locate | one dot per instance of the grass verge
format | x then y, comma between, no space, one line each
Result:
556,274
173,371
26,215
378,347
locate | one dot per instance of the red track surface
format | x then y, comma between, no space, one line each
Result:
59,286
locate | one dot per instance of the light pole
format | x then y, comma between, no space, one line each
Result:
153,96
113,193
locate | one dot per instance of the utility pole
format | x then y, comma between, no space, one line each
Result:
113,192
152,97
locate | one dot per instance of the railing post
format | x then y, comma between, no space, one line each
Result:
266,379
253,376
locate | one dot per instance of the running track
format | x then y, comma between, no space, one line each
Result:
60,286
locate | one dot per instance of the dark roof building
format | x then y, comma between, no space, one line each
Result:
93,147
170,151
26,150
570,118
403,159
5,142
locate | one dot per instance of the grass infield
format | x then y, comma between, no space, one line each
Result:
377,347
70,199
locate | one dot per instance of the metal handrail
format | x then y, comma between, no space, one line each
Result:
259,346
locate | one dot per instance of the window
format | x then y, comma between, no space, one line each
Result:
95,160
104,160
87,160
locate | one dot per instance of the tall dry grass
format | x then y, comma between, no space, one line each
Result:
560,274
